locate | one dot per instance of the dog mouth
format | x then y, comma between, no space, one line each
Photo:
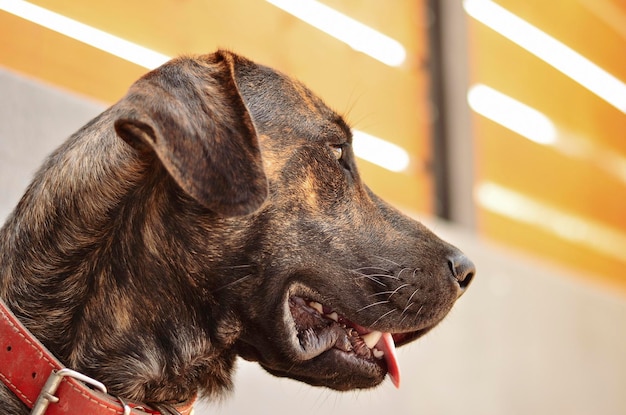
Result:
321,330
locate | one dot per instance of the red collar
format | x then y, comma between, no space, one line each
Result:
34,375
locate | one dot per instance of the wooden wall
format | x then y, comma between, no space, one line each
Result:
566,200
388,102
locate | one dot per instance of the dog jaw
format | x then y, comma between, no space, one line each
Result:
323,347
319,329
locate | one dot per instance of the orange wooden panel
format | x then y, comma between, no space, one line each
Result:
604,270
59,60
391,103
576,185
583,183
406,21
576,26
344,78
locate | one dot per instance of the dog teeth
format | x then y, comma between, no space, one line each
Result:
378,354
317,306
320,309
372,338
324,311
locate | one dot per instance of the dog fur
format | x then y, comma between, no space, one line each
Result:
173,232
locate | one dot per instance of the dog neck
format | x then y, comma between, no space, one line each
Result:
44,385
69,249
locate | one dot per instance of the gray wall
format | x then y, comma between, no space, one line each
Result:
527,338
34,119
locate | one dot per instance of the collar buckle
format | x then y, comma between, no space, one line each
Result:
46,396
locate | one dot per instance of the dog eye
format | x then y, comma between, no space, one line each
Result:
337,151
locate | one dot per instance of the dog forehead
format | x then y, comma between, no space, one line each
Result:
281,105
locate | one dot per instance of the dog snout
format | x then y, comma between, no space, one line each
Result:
463,270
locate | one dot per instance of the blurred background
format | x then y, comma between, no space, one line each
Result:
501,124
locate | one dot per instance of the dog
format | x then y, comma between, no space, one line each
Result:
217,211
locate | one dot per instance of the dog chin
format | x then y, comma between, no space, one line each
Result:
336,370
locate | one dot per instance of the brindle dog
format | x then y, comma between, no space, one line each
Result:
217,211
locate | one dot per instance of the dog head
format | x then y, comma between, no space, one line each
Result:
320,276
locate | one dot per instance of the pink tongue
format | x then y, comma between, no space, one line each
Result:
393,370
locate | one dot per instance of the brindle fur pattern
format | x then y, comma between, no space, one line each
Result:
162,239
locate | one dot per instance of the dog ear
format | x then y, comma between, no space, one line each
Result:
190,114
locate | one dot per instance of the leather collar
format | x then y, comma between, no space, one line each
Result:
30,371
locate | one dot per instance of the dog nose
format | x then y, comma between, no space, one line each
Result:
463,270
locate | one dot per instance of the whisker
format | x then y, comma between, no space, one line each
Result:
388,260
402,270
409,306
236,266
237,281
412,295
383,316
378,268
373,279
396,290
381,293
371,305
393,277
406,308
